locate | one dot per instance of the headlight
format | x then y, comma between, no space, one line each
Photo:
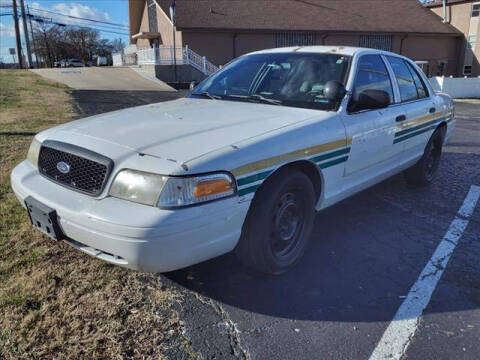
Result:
34,151
138,186
171,192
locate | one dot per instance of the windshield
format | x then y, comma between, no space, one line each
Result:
289,79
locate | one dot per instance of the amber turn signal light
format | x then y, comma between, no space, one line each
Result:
212,187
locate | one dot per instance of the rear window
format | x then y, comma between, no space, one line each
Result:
405,81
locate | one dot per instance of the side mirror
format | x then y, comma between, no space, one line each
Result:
193,84
370,100
334,91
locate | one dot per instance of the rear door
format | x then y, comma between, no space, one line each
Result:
421,114
372,131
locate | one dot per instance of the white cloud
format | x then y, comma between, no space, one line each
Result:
80,10
8,30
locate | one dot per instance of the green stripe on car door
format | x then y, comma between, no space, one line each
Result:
418,127
408,136
331,155
333,162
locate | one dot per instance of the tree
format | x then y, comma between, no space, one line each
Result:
55,42
118,45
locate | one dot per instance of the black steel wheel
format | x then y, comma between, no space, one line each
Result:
279,223
425,170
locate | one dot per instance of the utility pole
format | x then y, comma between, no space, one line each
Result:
33,36
25,33
17,35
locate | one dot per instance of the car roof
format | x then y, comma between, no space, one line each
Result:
324,49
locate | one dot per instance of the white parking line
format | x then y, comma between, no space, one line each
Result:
397,337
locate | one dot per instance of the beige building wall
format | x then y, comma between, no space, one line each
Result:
216,46
436,50
248,42
165,29
459,15
221,47
339,39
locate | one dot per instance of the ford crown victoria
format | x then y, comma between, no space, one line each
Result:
241,163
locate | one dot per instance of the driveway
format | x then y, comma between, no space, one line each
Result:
105,78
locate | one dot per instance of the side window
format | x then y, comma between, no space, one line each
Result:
372,74
419,83
406,84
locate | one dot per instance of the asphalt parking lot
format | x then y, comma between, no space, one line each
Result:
365,255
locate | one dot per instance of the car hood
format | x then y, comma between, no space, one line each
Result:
187,128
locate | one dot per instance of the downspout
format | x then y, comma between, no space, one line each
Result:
444,11
234,45
401,43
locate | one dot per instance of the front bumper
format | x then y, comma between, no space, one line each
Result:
133,235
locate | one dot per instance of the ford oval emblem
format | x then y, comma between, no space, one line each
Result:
63,167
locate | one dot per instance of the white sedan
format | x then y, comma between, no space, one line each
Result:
241,163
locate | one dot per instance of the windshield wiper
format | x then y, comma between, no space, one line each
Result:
259,98
206,94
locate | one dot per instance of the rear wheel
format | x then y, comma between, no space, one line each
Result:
424,171
279,223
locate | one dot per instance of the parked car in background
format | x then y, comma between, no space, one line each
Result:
241,163
73,62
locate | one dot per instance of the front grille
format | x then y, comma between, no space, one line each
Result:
83,170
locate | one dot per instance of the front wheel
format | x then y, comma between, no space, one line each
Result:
424,171
279,223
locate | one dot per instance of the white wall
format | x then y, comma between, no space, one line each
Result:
457,88
117,59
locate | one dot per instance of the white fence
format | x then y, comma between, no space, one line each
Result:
165,55
457,88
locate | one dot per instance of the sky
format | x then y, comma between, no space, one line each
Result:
114,11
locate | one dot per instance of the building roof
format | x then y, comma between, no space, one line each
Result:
385,16
437,3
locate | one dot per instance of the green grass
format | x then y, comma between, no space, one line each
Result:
56,302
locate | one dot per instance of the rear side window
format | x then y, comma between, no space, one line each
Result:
372,74
406,84
420,85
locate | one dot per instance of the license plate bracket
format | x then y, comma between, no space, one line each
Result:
44,218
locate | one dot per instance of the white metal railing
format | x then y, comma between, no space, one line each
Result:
164,55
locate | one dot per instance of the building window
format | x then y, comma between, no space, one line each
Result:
467,70
152,16
472,40
476,10
284,39
380,42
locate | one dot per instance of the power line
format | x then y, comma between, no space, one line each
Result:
80,18
38,18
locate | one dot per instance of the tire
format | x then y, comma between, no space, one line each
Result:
424,171
279,223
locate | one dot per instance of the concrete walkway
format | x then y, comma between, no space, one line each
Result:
103,78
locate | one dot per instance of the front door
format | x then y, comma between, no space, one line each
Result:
372,131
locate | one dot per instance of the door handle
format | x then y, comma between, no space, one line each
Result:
400,118
432,110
